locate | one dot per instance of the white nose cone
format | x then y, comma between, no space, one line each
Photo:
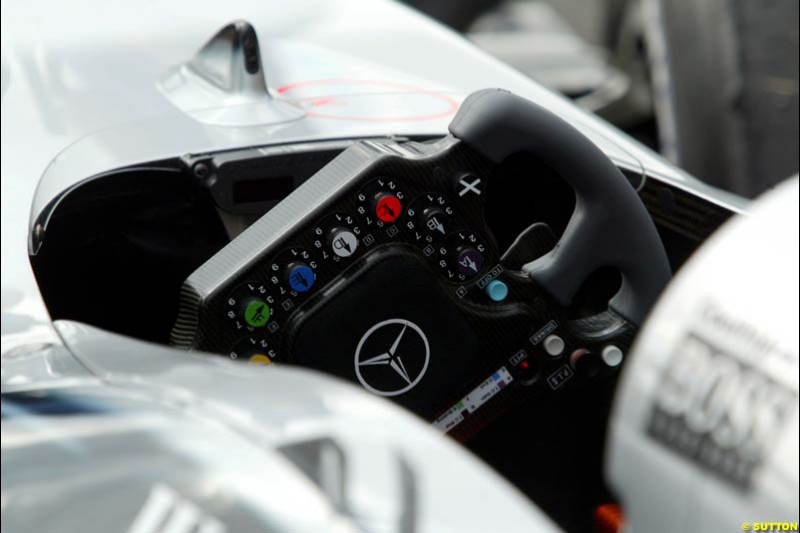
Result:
704,432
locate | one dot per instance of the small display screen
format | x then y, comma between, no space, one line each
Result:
269,189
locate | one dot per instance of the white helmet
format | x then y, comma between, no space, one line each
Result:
704,432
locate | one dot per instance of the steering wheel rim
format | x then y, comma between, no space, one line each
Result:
609,226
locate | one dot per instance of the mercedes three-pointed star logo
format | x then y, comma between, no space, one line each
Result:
393,357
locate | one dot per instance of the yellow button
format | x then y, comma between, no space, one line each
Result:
260,359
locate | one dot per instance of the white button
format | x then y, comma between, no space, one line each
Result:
612,356
553,345
344,243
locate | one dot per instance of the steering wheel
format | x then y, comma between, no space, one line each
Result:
381,269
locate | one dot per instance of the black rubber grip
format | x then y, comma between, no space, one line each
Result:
610,225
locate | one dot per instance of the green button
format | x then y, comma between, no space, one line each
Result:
256,314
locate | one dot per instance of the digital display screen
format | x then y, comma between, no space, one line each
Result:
269,189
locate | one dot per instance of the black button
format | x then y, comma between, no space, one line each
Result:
468,186
435,222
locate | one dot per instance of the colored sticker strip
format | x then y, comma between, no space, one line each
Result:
474,400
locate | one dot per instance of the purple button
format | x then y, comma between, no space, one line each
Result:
470,262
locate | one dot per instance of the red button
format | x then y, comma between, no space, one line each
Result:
388,208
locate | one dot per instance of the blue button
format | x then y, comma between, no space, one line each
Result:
301,278
497,290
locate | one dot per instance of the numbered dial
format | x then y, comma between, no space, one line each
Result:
337,237
293,273
381,202
462,256
429,218
254,349
250,307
